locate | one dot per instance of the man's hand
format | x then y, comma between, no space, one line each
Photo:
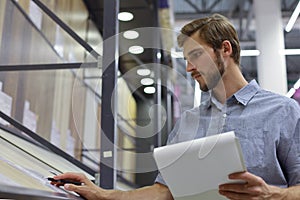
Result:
90,191
255,188
87,190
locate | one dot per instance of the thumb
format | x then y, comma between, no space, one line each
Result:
70,187
82,190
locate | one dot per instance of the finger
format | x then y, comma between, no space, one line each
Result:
79,177
70,175
85,191
236,196
246,176
82,190
237,188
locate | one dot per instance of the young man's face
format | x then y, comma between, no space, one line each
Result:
206,65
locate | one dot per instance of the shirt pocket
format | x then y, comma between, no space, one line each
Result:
253,147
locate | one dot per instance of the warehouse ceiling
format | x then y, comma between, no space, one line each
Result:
240,12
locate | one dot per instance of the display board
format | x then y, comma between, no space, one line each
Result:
24,168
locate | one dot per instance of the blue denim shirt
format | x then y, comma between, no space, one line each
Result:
267,125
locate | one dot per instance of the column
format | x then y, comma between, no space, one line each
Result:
108,175
271,64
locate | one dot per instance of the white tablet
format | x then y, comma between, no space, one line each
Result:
195,169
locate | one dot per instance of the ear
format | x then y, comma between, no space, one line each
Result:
226,48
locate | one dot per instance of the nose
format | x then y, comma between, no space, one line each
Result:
190,67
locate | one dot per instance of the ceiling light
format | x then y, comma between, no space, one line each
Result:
158,55
250,52
293,18
143,72
297,84
291,52
136,49
292,91
147,81
149,90
130,35
125,16
177,54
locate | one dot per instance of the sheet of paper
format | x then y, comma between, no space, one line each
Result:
198,167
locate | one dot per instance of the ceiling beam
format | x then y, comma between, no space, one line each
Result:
214,4
193,6
245,34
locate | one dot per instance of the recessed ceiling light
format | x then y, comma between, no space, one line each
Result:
136,49
149,90
143,72
158,55
131,35
125,16
147,81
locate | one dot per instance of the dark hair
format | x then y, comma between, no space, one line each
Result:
213,30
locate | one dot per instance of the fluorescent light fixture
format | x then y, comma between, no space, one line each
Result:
149,90
297,85
291,51
250,52
177,54
293,18
131,35
143,72
292,91
147,81
125,16
136,49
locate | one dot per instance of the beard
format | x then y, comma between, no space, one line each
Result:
213,77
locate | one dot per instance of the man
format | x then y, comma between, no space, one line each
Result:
267,124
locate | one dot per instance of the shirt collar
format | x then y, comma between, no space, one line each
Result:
243,96
205,99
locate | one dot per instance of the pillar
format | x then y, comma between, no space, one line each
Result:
271,64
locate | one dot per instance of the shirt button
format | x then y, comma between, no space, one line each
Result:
224,115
